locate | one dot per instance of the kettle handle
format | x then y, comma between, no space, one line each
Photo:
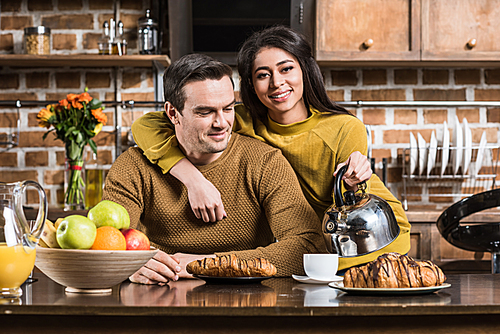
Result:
337,187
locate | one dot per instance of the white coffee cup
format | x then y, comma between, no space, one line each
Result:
321,267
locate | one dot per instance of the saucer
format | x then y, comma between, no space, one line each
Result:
309,280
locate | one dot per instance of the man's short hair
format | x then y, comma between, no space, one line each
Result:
187,69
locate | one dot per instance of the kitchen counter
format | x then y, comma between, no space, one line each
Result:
278,305
431,216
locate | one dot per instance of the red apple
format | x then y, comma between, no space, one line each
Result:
136,240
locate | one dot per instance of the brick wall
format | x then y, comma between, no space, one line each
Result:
75,29
76,26
391,127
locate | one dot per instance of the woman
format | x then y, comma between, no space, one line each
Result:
285,104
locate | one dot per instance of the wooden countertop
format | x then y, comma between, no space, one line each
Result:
279,305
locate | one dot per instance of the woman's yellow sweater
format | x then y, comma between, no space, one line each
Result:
314,147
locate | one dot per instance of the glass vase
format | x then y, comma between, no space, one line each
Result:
74,185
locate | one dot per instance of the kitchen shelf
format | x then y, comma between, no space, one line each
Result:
82,60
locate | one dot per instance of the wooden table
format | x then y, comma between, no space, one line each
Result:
280,305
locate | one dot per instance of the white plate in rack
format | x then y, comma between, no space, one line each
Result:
467,147
431,159
422,156
446,148
413,154
458,146
480,153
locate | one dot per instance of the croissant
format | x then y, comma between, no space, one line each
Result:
392,270
231,266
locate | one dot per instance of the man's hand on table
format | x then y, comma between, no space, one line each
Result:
184,259
163,268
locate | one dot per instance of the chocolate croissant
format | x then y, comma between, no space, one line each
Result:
392,270
231,266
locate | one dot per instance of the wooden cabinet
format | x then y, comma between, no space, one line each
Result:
367,30
460,30
428,244
409,32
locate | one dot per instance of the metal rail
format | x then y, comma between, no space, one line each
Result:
356,104
35,103
449,104
13,139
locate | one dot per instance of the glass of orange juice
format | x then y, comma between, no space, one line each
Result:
16,264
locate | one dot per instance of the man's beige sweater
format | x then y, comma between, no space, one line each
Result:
260,192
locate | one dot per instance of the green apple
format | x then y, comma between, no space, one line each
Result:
76,232
109,213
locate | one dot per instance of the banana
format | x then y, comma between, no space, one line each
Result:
42,243
49,234
58,221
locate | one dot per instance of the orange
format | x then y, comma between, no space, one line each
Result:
109,238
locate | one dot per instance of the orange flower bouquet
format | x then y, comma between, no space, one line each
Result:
75,120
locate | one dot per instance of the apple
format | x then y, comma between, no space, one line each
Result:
136,240
76,232
109,213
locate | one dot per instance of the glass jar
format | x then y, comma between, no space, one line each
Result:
148,35
37,40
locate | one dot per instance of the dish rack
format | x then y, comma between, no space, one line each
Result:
443,189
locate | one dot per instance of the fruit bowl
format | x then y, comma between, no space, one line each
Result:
90,271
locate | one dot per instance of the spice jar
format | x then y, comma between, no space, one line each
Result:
37,40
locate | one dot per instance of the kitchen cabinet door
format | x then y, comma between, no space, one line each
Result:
360,30
460,30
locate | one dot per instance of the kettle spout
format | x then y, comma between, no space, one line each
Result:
334,226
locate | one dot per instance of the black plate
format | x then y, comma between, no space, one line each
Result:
231,280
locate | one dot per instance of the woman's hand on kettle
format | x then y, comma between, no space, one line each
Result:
358,170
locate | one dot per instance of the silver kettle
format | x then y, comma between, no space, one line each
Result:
357,223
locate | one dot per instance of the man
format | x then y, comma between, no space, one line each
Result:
263,198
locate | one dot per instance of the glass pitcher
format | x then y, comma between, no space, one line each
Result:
17,238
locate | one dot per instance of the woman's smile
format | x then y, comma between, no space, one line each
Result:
280,97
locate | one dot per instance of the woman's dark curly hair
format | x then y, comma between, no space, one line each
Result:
287,39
